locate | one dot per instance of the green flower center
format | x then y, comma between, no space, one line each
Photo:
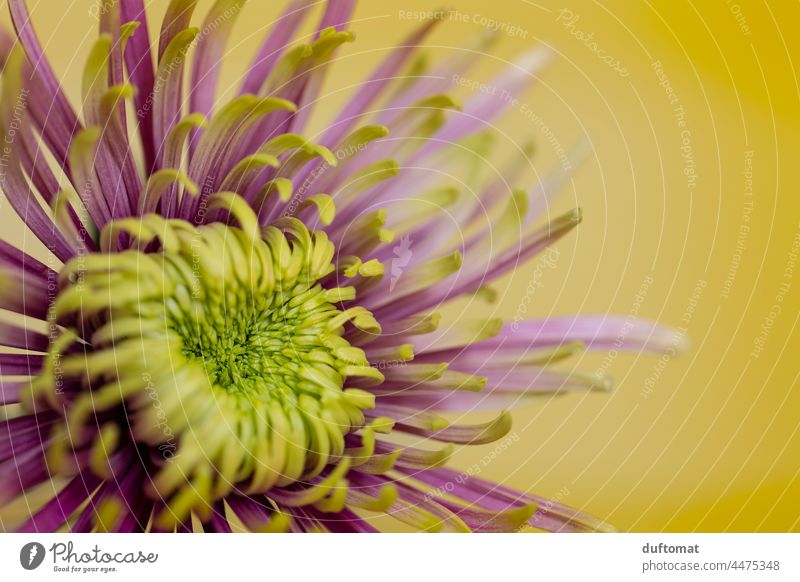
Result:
256,346
221,348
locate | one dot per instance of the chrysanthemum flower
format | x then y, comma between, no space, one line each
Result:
237,324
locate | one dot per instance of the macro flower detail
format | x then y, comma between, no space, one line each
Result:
247,361
232,327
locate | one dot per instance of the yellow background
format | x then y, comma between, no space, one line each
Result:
714,445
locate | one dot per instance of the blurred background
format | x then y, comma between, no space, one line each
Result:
691,218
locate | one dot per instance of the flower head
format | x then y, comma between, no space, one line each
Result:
237,324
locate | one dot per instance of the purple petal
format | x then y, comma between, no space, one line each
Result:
22,199
283,30
218,523
549,516
20,364
597,332
139,63
13,336
440,80
59,509
57,132
209,52
12,256
10,391
25,433
25,293
167,103
476,273
30,42
21,473
485,107
370,89
177,18
345,521
337,15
